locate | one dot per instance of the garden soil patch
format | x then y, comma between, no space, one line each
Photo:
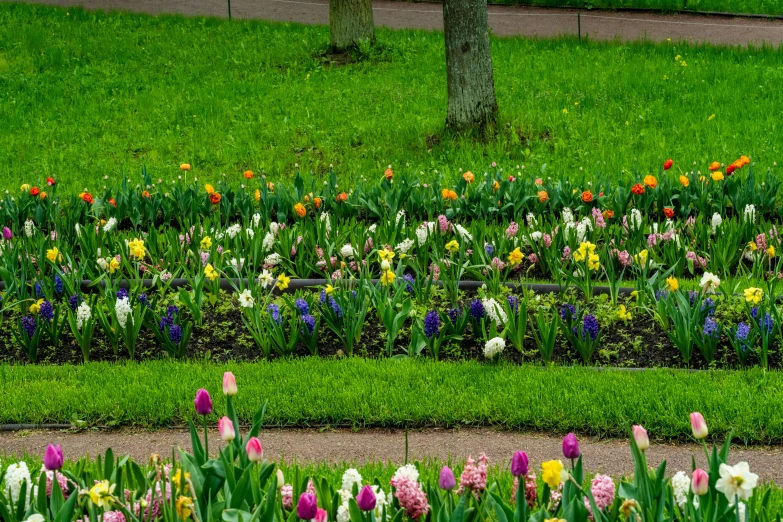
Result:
504,20
338,446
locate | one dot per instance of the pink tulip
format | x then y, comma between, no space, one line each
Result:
700,483
641,438
321,515
229,384
699,426
254,450
226,429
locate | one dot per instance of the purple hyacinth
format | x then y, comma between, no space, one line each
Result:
47,311
489,249
335,307
38,290
710,328
567,312
302,306
73,301
410,281
144,300
274,311
309,322
477,309
589,327
58,284
661,294
28,324
122,293
431,324
767,323
692,296
754,312
742,332
513,303
172,311
175,333
454,314
322,297
709,305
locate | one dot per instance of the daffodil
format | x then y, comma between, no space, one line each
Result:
771,251
113,265
452,246
206,243
754,295
515,257
672,284
210,272
136,248
266,278
36,306
585,250
593,262
177,480
752,246
386,255
101,494
184,507
282,282
642,257
623,313
53,254
329,289
387,278
552,473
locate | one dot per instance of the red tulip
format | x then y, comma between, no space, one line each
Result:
667,164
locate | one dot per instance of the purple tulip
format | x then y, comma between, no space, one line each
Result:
571,447
7,234
366,499
519,464
447,480
307,507
53,458
203,402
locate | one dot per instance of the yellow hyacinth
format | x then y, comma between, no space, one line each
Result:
754,295
672,284
387,278
452,246
516,257
552,473
210,272
282,282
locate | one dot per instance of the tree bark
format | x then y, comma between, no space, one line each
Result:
471,86
350,21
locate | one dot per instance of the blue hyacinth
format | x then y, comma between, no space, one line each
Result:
767,323
309,322
709,305
58,284
489,249
122,293
710,328
567,312
28,324
175,333
47,311
410,281
335,307
38,291
454,314
513,303
431,324
274,312
144,300
590,327
73,301
302,306
172,311
322,297
477,309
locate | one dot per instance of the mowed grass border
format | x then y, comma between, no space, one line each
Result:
412,393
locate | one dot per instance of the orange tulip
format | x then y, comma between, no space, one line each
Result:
300,210
214,198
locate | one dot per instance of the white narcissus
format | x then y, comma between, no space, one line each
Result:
736,481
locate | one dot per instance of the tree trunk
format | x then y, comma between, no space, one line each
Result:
471,86
350,21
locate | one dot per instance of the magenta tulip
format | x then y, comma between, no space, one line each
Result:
519,464
255,452
571,447
203,402
366,499
53,458
307,507
641,438
229,384
700,483
7,234
699,426
447,480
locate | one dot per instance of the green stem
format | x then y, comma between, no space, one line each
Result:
206,439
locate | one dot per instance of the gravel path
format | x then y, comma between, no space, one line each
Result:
504,20
606,456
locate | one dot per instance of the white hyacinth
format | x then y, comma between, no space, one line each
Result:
635,221
494,346
568,216
409,471
123,309
681,485
273,259
83,314
110,224
351,477
750,214
269,242
78,230
327,221
347,251
717,220
249,233
404,246
246,299
422,234
233,230
257,220
16,475
29,228
371,229
400,217
583,228
495,312
462,231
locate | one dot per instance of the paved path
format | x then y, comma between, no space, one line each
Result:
607,456
504,20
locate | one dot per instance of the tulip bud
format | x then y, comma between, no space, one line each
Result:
7,234
226,429
280,478
667,164
366,499
700,484
519,464
203,402
321,515
447,481
255,452
699,426
641,438
385,265
571,447
53,458
307,507
229,384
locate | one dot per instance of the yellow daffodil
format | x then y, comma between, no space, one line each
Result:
136,248
177,480
584,252
642,257
36,306
771,251
754,295
672,284
113,265
593,262
184,507
210,272
452,246
53,254
101,494
516,257
386,255
282,282
206,243
329,289
552,473
623,314
387,277
752,246
635,294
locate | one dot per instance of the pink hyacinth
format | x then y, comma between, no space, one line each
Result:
497,263
512,230
698,261
598,218
434,271
603,491
690,223
474,476
566,253
319,252
310,487
110,516
623,257
531,489
443,223
667,236
153,504
61,480
204,258
368,245
287,494
337,275
533,259
761,242
652,240
321,265
411,496
547,240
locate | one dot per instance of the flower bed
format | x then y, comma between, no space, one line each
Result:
239,484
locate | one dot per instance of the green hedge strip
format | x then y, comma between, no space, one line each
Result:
404,393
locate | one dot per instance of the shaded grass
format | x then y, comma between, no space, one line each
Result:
85,95
392,393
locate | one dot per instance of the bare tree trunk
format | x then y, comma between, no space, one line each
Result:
471,86
350,21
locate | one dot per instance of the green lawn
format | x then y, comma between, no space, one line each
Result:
388,393
88,94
